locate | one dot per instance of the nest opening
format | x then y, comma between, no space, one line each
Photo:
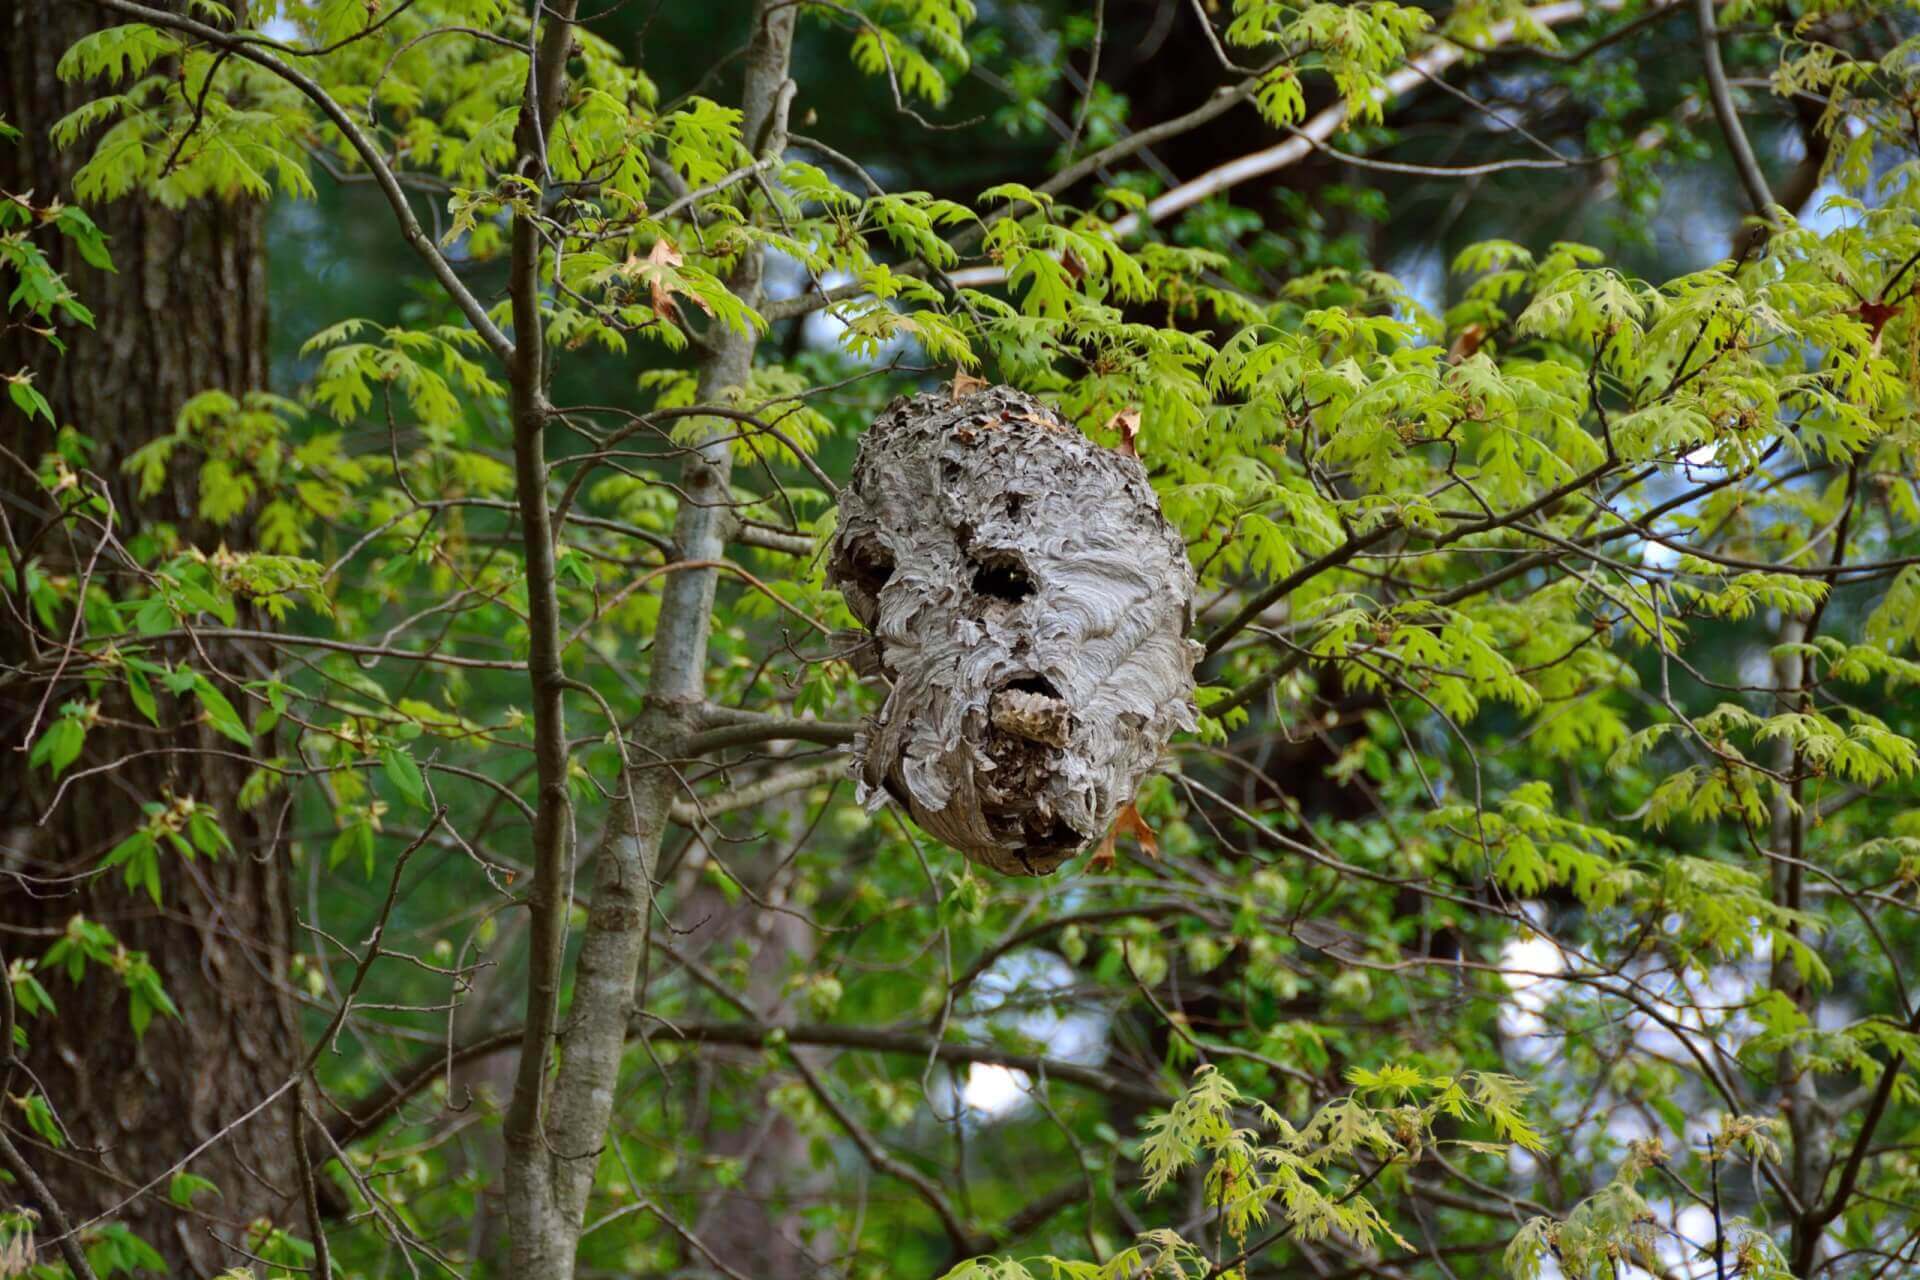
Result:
1029,729
872,565
1045,842
1031,684
1003,576
1037,836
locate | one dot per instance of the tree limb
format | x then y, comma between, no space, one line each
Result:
1751,178
410,229
69,1244
362,1117
545,1231
1323,125
690,813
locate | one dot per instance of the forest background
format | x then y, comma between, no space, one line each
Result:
428,838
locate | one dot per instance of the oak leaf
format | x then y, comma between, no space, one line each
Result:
662,284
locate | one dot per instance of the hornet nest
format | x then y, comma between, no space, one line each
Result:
1029,606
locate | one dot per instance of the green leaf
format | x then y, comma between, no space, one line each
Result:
185,1186
153,617
41,1120
59,745
140,690
206,835
134,846
354,841
29,399
86,236
220,712
404,774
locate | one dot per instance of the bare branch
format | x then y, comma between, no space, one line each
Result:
1317,130
1728,114
691,814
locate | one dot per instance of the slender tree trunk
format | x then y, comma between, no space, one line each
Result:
184,312
558,1123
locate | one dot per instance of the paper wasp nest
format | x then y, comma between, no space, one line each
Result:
1029,605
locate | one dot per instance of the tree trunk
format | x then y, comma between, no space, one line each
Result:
548,1181
184,312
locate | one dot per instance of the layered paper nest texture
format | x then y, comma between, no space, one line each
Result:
1028,604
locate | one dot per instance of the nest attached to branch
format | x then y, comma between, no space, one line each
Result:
1029,605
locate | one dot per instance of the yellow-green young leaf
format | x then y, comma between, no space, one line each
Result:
1393,1079
115,53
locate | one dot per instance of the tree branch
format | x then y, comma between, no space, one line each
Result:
582,1090
964,1241
689,813
361,1118
1324,124
545,1231
410,229
16,1164
1817,1220
750,729
1729,116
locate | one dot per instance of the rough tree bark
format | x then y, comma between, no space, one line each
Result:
1029,607
186,311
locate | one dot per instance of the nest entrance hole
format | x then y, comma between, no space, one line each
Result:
1032,684
1012,791
872,565
1002,576
1047,842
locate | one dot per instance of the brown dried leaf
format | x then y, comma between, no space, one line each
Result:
1875,316
1126,424
662,301
965,384
1129,822
661,259
1466,342
1034,420
661,298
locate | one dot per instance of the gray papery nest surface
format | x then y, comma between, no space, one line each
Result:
1029,606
